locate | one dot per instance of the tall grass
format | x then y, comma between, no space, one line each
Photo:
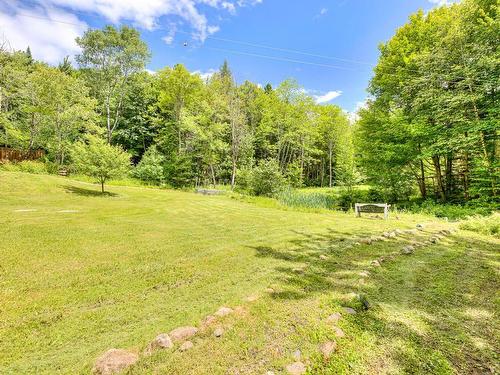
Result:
295,198
485,225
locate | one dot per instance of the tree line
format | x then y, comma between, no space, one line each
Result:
430,127
179,129
432,121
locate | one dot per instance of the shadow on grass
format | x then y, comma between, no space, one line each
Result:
432,312
87,192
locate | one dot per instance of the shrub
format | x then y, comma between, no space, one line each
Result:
27,166
266,179
485,225
150,168
294,175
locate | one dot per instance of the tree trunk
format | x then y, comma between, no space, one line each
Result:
102,186
330,152
213,174
423,188
439,178
108,120
449,174
233,175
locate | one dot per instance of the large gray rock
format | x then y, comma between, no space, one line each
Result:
186,346
334,318
182,333
296,368
223,311
162,341
218,332
407,250
375,263
327,348
338,332
350,310
114,361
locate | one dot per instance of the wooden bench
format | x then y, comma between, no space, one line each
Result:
63,172
372,208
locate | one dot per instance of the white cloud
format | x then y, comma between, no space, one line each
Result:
328,97
52,39
442,2
354,115
321,13
147,13
48,40
205,75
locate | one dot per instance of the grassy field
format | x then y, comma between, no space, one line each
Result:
81,273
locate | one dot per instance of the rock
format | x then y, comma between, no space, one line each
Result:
357,243
334,318
392,235
298,270
381,259
420,226
327,348
364,274
186,346
224,311
240,310
269,290
296,355
381,238
366,241
182,333
375,263
252,298
349,310
296,368
407,250
218,332
338,332
434,240
208,321
386,234
398,232
162,341
323,257
113,361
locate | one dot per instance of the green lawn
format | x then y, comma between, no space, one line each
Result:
81,273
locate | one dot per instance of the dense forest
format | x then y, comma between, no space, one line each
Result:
433,118
430,126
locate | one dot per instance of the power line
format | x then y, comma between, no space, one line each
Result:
278,58
275,58
283,49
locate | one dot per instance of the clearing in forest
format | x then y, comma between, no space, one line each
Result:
81,273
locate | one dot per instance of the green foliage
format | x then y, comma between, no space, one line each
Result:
433,117
485,225
108,59
263,180
27,166
100,160
151,167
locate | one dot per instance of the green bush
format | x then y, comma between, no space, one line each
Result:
267,179
150,168
27,166
485,225
450,211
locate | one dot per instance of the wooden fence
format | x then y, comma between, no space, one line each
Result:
11,154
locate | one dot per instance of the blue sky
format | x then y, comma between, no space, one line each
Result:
345,33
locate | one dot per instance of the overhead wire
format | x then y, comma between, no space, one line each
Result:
257,45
